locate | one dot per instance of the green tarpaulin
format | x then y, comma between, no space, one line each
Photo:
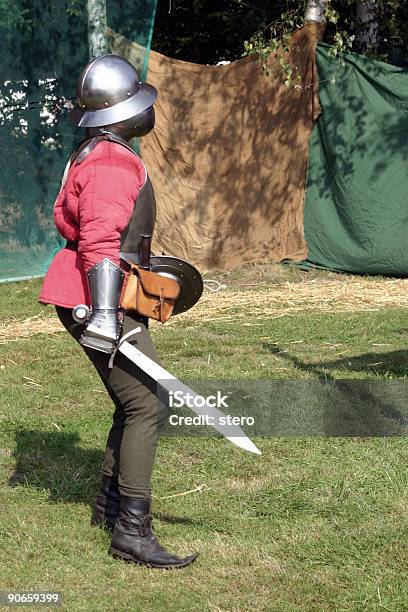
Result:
356,209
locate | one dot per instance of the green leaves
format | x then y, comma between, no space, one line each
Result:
275,39
331,14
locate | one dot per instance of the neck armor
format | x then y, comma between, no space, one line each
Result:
134,127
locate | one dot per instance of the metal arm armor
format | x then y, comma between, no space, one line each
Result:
105,280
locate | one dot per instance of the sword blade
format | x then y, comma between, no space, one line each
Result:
214,417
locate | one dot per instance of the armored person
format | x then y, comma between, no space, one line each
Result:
105,204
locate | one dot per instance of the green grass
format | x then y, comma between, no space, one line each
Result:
315,523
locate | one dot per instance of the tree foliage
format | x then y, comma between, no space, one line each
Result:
207,31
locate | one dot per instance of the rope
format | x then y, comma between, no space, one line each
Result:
218,285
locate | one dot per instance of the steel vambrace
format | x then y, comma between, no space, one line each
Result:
105,280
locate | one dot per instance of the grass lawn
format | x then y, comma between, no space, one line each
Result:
314,523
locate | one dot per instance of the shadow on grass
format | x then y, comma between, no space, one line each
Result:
358,407
392,364
54,461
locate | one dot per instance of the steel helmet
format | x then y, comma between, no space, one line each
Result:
109,91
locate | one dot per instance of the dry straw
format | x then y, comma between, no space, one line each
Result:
320,295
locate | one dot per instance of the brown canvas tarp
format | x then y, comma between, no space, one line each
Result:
228,156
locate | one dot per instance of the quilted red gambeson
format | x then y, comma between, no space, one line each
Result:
92,208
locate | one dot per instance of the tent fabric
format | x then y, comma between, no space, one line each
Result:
356,210
228,156
44,47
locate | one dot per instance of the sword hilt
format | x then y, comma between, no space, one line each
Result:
144,251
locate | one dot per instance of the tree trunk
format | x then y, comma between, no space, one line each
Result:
97,39
315,10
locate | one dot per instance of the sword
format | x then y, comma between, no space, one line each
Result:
170,384
213,416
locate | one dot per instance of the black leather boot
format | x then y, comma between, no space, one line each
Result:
133,539
107,503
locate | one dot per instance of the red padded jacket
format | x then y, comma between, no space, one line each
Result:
92,208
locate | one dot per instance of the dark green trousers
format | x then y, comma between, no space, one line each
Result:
138,417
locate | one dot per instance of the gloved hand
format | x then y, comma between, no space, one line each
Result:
102,330
103,327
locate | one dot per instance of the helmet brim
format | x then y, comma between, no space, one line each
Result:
140,101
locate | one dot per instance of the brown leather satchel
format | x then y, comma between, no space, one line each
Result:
150,294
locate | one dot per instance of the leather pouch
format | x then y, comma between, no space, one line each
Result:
149,294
